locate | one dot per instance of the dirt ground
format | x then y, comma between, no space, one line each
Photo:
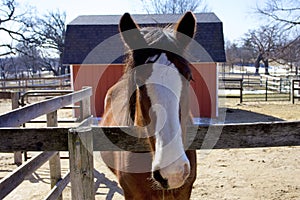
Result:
227,174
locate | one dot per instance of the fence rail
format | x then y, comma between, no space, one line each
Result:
21,115
17,117
249,79
10,182
279,84
266,88
23,84
239,135
14,97
232,84
82,140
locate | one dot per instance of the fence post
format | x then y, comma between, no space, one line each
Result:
81,164
54,162
280,85
85,107
266,89
14,105
241,90
292,91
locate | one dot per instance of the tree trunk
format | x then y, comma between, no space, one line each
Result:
256,64
266,64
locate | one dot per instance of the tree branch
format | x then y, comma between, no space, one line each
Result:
281,11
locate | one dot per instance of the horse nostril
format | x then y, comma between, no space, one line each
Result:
163,182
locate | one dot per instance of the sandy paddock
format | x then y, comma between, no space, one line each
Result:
247,174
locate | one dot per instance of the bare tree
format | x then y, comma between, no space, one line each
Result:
49,33
283,11
286,14
174,6
267,42
238,54
13,26
4,64
29,57
232,52
290,54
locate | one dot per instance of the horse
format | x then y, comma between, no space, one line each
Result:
153,95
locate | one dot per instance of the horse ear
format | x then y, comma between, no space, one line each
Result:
130,33
187,26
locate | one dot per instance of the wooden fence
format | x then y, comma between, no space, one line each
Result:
17,117
295,87
84,139
268,88
14,97
232,84
273,83
23,84
250,80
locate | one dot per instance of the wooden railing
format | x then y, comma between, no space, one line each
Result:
232,84
81,141
23,84
19,116
14,97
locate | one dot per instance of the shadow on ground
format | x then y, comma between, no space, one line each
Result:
244,116
103,182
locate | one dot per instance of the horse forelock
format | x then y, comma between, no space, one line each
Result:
158,39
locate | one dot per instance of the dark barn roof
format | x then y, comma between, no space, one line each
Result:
94,39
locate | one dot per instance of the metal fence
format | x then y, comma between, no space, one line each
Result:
251,87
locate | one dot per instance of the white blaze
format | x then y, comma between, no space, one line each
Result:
164,89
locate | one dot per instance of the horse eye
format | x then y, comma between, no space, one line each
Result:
152,59
191,78
188,74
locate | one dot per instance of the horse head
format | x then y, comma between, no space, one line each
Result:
162,75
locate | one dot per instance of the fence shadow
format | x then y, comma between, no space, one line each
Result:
244,116
112,186
42,175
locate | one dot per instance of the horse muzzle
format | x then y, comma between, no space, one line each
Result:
172,177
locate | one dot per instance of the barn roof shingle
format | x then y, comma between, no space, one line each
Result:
94,39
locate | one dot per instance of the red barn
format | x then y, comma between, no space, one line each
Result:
95,52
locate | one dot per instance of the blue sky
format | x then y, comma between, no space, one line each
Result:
238,16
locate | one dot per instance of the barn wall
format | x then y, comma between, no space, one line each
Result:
102,77
204,94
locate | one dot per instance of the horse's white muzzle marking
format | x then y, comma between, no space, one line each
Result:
164,86
176,173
